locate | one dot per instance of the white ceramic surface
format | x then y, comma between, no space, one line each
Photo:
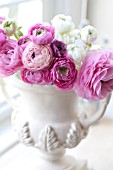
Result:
47,119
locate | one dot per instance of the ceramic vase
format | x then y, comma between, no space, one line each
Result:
48,120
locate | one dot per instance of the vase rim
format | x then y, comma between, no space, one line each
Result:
18,83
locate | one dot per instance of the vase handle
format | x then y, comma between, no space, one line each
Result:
88,121
8,98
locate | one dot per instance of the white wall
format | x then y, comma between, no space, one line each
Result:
67,7
100,14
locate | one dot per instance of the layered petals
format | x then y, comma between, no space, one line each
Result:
10,58
37,57
41,34
95,79
64,73
58,48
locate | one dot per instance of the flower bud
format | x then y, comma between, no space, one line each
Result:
77,53
10,26
88,34
63,24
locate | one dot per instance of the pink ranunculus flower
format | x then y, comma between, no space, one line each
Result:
32,77
95,79
41,34
64,73
2,37
10,58
37,57
48,78
24,41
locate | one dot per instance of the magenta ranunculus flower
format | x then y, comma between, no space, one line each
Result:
48,78
95,79
64,73
58,48
2,37
37,57
24,41
41,34
10,58
32,77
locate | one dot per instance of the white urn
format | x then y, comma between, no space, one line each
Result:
48,119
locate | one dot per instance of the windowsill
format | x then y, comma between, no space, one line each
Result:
8,137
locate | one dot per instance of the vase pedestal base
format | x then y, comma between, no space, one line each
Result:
64,163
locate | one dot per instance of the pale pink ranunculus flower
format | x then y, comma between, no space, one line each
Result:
2,37
10,58
37,57
64,73
41,34
95,79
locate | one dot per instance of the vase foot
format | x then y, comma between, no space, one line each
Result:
65,163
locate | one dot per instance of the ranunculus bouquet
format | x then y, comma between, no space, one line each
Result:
57,54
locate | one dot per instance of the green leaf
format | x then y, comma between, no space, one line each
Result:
18,34
19,28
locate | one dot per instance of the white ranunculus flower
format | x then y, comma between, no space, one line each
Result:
74,33
58,36
69,38
80,43
72,36
78,53
88,34
63,24
65,38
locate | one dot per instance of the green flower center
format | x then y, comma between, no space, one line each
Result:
62,18
38,32
63,70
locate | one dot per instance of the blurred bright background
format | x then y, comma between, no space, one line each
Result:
98,13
